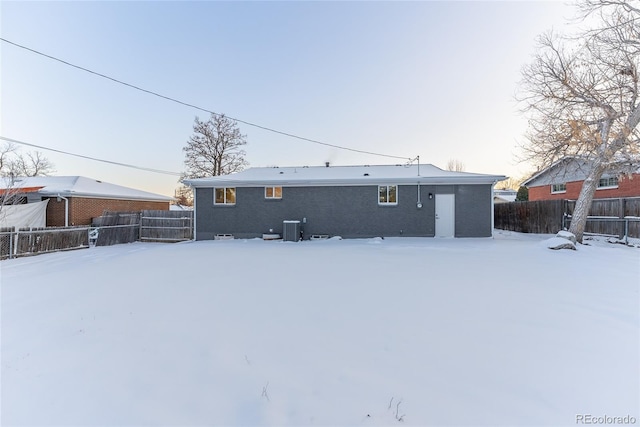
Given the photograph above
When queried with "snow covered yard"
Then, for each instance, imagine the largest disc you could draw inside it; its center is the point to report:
(340, 332)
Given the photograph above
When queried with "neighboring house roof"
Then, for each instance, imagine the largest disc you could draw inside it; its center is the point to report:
(79, 186)
(505, 195)
(568, 169)
(22, 190)
(180, 208)
(344, 175)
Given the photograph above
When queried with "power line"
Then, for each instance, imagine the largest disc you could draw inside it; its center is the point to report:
(15, 141)
(168, 98)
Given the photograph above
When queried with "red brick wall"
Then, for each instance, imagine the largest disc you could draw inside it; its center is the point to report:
(55, 212)
(82, 210)
(627, 187)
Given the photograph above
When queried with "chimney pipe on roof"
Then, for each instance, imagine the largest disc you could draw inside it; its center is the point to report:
(326, 164)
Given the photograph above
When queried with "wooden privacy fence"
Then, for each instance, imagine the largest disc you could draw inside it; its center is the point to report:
(166, 226)
(149, 226)
(33, 241)
(109, 229)
(611, 217)
(544, 216)
(113, 228)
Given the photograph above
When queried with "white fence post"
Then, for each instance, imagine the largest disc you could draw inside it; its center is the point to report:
(15, 242)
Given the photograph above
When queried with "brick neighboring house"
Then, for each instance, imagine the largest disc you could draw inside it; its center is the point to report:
(563, 180)
(75, 200)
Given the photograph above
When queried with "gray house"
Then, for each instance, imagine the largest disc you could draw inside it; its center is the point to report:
(347, 201)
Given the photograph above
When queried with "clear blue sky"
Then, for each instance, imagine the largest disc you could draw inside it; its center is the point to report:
(434, 79)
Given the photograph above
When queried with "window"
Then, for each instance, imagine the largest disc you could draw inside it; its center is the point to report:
(387, 195)
(224, 196)
(558, 188)
(611, 182)
(14, 199)
(273, 192)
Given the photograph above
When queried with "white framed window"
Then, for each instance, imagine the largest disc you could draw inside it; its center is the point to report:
(387, 194)
(224, 196)
(606, 183)
(273, 192)
(558, 188)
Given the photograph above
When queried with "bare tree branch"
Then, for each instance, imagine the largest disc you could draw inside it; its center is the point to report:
(581, 95)
(214, 148)
(27, 164)
(455, 165)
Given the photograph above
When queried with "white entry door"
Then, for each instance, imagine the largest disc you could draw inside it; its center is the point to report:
(445, 215)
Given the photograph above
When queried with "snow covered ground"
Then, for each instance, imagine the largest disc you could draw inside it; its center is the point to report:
(340, 332)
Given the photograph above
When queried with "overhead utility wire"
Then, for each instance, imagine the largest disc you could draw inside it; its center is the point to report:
(15, 141)
(200, 108)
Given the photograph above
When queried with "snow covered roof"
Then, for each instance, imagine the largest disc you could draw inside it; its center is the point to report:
(180, 208)
(505, 191)
(506, 195)
(504, 198)
(344, 175)
(568, 169)
(80, 186)
(563, 170)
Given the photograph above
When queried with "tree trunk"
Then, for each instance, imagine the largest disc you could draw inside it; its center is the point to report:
(583, 204)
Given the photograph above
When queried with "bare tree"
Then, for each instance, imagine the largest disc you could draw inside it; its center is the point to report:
(13, 163)
(8, 192)
(580, 93)
(214, 148)
(455, 165)
(31, 164)
(509, 184)
(184, 196)
(6, 152)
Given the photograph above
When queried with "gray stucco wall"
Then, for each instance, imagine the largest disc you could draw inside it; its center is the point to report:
(349, 211)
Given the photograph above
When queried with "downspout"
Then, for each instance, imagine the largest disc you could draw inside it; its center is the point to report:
(66, 209)
(195, 216)
(419, 201)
